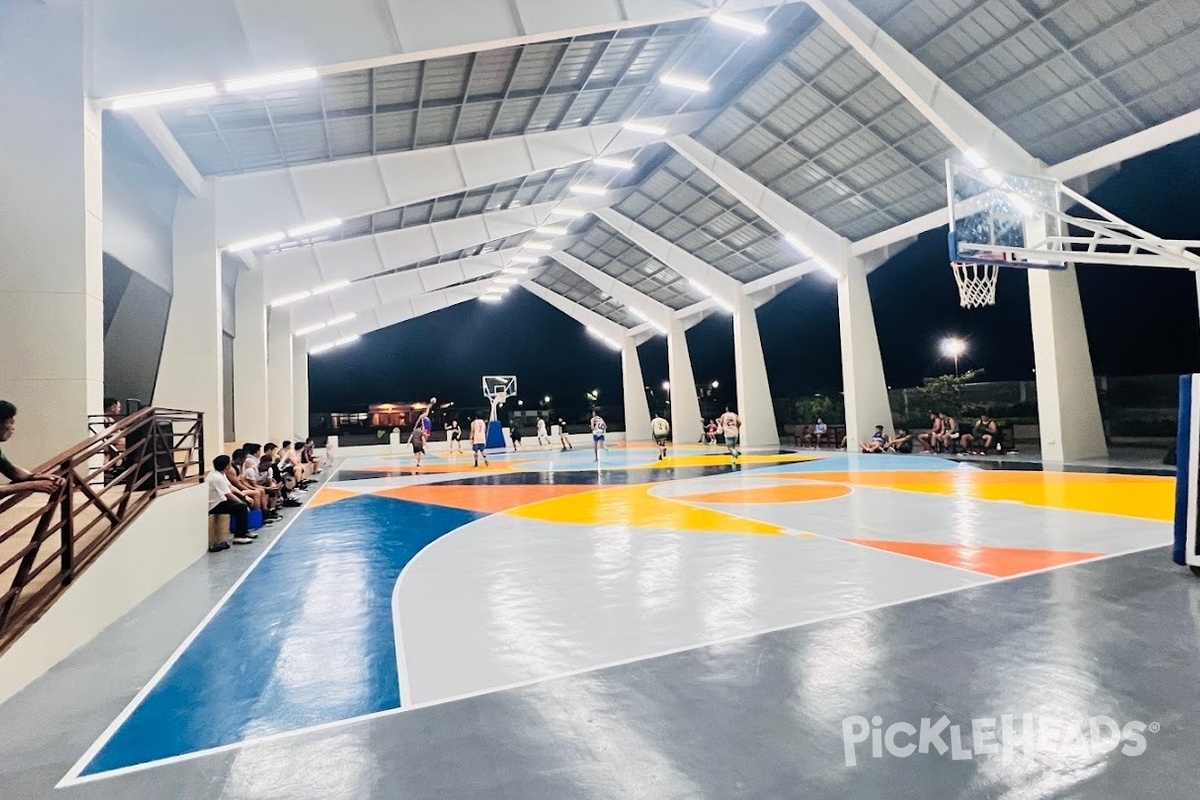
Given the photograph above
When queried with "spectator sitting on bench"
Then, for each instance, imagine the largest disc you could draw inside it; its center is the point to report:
(22, 481)
(902, 441)
(930, 440)
(257, 496)
(984, 436)
(817, 434)
(951, 435)
(224, 499)
(878, 443)
(252, 475)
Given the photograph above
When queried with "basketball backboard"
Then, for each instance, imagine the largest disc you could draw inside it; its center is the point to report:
(495, 384)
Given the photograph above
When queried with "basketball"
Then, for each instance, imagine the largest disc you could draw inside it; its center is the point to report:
(433, 401)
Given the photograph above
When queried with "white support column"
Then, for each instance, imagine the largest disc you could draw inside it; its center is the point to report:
(280, 375)
(863, 382)
(686, 422)
(190, 372)
(633, 388)
(753, 391)
(250, 360)
(51, 292)
(300, 388)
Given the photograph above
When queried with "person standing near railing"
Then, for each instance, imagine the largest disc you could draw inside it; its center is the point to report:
(22, 480)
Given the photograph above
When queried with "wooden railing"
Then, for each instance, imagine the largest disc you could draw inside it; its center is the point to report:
(46, 540)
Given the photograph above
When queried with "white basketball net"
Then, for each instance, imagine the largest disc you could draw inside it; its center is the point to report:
(976, 284)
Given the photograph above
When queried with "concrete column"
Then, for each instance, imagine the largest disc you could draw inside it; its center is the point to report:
(280, 375)
(753, 391)
(51, 279)
(300, 388)
(633, 385)
(1068, 409)
(190, 373)
(686, 423)
(250, 360)
(864, 385)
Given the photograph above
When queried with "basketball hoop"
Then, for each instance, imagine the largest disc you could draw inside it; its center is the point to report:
(976, 283)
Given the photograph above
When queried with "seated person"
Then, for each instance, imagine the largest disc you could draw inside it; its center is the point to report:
(817, 434)
(114, 450)
(902, 441)
(308, 458)
(984, 436)
(878, 443)
(223, 498)
(254, 476)
(256, 497)
(951, 435)
(931, 439)
(710, 432)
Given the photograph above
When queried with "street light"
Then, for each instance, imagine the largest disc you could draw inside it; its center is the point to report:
(546, 400)
(953, 347)
(716, 384)
(666, 386)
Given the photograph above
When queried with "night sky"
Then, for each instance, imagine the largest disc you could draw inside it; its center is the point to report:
(1140, 322)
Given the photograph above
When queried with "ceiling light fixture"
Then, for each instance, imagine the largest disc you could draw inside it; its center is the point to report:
(340, 320)
(322, 348)
(597, 334)
(347, 340)
(258, 241)
(504, 280)
(288, 299)
(515, 271)
(584, 188)
(684, 82)
(316, 227)
(739, 23)
(329, 287)
(163, 98)
(491, 298)
(273, 79)
(700, 287)
(828, 268)
(614, 163)
(538, 245)
(799, 245)
(524, 260)
(574, 213)
(645, 127)
(320, 326)
(552, 230)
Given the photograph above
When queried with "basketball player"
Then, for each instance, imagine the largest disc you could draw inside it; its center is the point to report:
(418, 438)
(542, 437)
(454, 436)
(599, 428)
(479, 439)
(661, 430)
(563, 436)
(731, 426)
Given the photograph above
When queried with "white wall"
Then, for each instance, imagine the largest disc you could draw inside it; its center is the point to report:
(138, 207)
(169, 535)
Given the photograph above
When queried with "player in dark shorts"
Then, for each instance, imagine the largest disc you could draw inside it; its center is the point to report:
(515, 433)
(902, 441)
(454, 434)
(417, 440)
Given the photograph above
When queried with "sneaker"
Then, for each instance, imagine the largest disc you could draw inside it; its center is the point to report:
(252, 535)
(242, 540)
(292, 504)
(218, 547)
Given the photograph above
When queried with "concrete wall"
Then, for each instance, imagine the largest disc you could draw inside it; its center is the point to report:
(169, 536)
(136, 316)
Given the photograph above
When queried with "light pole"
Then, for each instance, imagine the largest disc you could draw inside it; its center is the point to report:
(954, 347)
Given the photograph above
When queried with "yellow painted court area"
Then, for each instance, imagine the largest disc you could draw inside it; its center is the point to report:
(1148, 497)
(635, 507)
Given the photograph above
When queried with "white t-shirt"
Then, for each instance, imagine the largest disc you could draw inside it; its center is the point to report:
(250, 473)
(659, 426)
(729, 423)
(541, 428)
(218, 488)
(478, 432)
(598, 426)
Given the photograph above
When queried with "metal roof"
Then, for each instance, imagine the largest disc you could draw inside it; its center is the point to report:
(608, 251)
(564, 282)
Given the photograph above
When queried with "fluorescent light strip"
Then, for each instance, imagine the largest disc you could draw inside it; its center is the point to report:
(320, 326)
(645, 127)
(574, 213)
(739, 24)
(538, 245)
(524, 260)
(828, 269)
(347, 340)
(644, 318)
(614, 163)
(289, 299)
(321, 348)
(316, 227)
(597, 334)
(329, 287)
(504, 281)
(515, 271)
(684, 82)
(260, 241)
(701, 288)
(491, 298)
(163, 98)
(341, 320)
(273, 79)
(552, 230)
(583, 188)
(799, 245)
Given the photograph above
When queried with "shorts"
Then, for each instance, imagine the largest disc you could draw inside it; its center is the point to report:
(456, 437)
(597, 437)
(418, 448)
(731, 440)
(478, 447)
(661, 440)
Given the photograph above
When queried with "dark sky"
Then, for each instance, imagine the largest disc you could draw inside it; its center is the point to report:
(1140, 321)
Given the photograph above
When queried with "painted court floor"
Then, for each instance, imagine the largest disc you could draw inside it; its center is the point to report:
(630, 625)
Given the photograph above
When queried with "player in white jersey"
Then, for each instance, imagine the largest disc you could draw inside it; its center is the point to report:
(542, 436)
(731, 427)
(662, 431)
(599, 428)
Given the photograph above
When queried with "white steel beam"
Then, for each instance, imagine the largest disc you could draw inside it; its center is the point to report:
(362, 296)
(1167, 133)
(221, 39)
(623, 293)
(261, 203)
(165, 143)
(584, 316)
(814, 236)
(397, 312)
(303, 268)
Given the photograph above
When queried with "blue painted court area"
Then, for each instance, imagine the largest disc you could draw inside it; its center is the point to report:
(306, 639)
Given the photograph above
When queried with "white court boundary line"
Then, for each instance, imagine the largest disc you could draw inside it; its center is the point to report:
(72, 776)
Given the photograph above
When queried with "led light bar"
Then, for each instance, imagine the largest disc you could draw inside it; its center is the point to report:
(598, 335)
(799, 245)
(739, 24)
(684, 82)
(258, 241)
(288, 299)
(347, 340)
(329, 287)
(163, 98)
(552, 230)
(273, 79)
(700, 287)
(316, 227)
(341, 320)
(524, 260)
(613, 162)
(321, 348)
(515, 271)
(645, 127)
(538, 245)
(504, 281)
(583, 188)
(574, 213)
(491, 298)
(320, 326)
